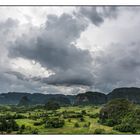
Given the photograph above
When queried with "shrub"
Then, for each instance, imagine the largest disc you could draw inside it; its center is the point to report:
(22, 127)
(20, 131)
(72, 115)
(82, 119)
(99, 131)
(8, 116)
(76, 125)
(54, 123)
(96, 107)
(86, 125)
(35, 131)
(37, 123)
(83, 112)
(69, 120)
(18, 116)
(8, 131)
(28, 128)
(94, 115)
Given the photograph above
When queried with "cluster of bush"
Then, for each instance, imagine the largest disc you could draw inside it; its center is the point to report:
(121, 114)
(54, 123)
(27, 130)
(8, 125)
(4, 108)
(38, 123)
(10, 116)
(96, 115)
(75, 115)
(126, 127)
(86, 125)
(72, 114)
(99, 131)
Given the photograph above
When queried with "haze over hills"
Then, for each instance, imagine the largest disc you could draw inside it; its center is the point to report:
(87, 98)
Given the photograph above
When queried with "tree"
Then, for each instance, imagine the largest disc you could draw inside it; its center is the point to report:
(54, 123)
(114, 111)
(22, 127)
(83, 112)
(8, 125)
(76, 125)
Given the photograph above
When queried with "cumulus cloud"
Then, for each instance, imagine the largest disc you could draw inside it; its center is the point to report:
(48, 58)
(71, 77)
(54, 48)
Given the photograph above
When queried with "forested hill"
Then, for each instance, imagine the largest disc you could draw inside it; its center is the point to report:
(35, 98)
(88, 98)
(132, 94)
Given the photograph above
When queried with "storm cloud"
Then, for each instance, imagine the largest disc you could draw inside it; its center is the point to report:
(55, 49)
(77, 49)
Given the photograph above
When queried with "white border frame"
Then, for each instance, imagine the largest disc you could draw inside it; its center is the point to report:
(69, 2)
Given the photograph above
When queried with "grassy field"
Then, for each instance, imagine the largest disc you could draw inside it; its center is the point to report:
(68, 128)
(88, 124)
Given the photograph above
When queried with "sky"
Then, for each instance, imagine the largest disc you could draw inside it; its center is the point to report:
(69, 50)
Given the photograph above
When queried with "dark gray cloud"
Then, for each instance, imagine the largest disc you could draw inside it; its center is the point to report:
(11, 80)
(54, 48)
(17, 74)
(71, 78)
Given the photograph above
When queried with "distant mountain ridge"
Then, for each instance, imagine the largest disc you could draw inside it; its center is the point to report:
(130, 93)
(87, 98)
(91, 98)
